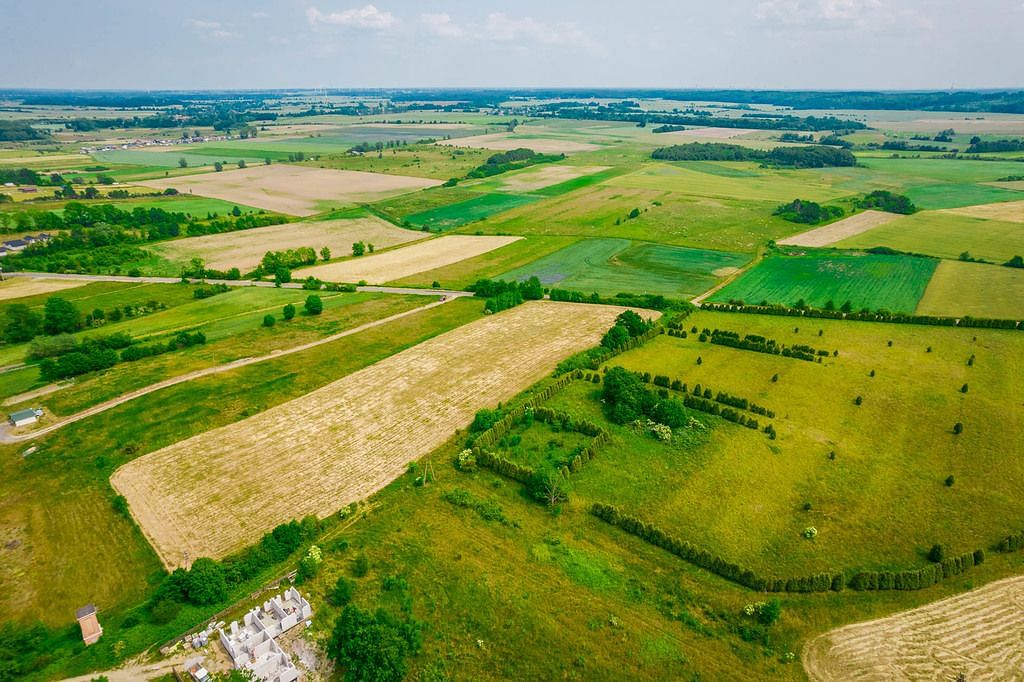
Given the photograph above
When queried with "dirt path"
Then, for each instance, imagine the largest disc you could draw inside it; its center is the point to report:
(977, 634)
(727, 280)
(138, 671)
(7, 437)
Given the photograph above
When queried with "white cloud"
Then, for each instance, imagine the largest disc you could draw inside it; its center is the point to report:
(499, 27)
(205, 25)
(367, 16)
(828, 13)
(442, 25)
(212, 29)
(260, 15)
(221, 33)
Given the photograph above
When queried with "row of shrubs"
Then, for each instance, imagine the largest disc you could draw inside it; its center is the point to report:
(180, 340)
(649, 301)
(593, 358)
(819, 582)
(509, 418)
(760, 344)
(663, 381)
(866, 316)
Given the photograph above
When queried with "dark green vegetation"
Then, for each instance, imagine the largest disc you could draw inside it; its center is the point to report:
(808, 212)
(791, 157)
(883, 200)
(514, 159)
(894, 283)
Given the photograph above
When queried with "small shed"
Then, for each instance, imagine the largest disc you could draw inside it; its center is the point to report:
(90, 624)
(24, 417)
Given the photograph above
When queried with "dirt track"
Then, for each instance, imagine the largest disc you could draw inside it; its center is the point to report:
(978, 633)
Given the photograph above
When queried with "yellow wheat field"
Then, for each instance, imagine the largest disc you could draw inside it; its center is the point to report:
(218, 491)
(1011, 211)
(389, 266)
(978, 634)
(17, 287)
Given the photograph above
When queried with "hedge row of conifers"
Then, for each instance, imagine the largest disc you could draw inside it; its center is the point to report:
(867, 316)
(915, 579)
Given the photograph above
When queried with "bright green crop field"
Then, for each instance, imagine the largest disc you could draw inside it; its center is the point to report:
(610, 266)
(895, 283)
(455, 215)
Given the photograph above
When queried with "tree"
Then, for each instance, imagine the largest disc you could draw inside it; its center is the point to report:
(963, 389)
(325, 254)
(958, 428)
(342, 592)
(236, 212)
(60, 316)
(369, 247)
(268, 320)
(206, 583)
(615, 337)
(937, 553)
(282, 275)
(289, 311)
(770, 612)
(183, 162)
(372, 647)
(218, 166)
(22, 324)
(950, 481)
(314, 306)
(547, 488)
(358, 249)
(241, 163)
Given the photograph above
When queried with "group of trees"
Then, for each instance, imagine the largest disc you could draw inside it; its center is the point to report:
(807, 212)
(627, 399)
(358, 249)
(864, 315)
(513, 159)
(761, 344)
(790, 157)
(979, 146)
(502, 295)
(628, 325)
(373, 646)
(19, 131)
(884, 200)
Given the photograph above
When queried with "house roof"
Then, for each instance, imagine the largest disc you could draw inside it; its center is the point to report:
(22, 414)
(87, 610)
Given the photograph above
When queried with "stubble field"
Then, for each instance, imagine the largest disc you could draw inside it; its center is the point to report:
(839, 230)
(221, 490)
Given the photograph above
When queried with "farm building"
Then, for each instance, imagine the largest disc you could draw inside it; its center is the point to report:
(24, 417)
(90, 624)
(252, 645)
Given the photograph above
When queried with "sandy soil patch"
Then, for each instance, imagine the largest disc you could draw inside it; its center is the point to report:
(547, 175)
(221, 490)
(295, 190)
(17, 287)
(506, 141)
(977, 634)
(841, 229)
(712, 132)
(725, 272)
(1010, 211)
(1013, 184)
(246, 248)
(409, 260)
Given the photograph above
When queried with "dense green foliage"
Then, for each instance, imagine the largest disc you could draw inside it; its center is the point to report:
(511, 160)
(807, 212)
(884, 200)
(791, 157)
(372, 647)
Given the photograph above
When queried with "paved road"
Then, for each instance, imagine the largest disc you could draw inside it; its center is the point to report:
(7, 437)
(232, 283)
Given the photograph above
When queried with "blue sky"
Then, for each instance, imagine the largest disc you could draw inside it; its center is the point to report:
(825, 44)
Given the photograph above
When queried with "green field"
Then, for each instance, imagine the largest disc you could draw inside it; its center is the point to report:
(455, 215)
(894, 283)
(170, 159)
(610, 266)
(975, 289)
(946, 235)
(57, 501)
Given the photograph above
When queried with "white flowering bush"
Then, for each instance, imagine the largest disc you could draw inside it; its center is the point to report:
(659, 431)
(810, 532)
(466, 461)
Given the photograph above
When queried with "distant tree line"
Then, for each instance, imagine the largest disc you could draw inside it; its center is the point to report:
(979, 146)
(20, 131)
(865, 315)
(514, 159)
(790, 157)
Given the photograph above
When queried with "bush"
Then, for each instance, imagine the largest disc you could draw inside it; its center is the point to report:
(341, 594)
(206, 583)
(164, 611)
(360, 565)
(314, 305)
(269, 320)
(373, 647)
(289, 311)
(936, 554)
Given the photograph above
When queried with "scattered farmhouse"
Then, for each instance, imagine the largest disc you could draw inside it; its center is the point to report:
(90, 624)
(24, 417)
(18, 244)
(252, 644)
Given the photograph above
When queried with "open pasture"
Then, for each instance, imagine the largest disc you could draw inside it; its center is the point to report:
(245, 249)
(392, 265)
(881, 502)
(292, 189)
(1010, 211)
(539, 177)
(975, 289)
(895, 283)
(520, 139)
(946, 235)
(709, 132)
(20, 287)
(841, 229)
(609, 266)
(975, 634)
(354, 436)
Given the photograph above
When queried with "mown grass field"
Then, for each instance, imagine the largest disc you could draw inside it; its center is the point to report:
(425, 161)
(57, 501)
(610, 266)
(946, 235)
(975, 289)
(895, 283)
(455, 215)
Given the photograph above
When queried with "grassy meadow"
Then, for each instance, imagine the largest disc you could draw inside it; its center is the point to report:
(975, 289)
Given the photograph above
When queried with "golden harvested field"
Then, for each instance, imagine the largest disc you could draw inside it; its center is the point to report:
(16, 287)
(408, 260)
(506, 141)
(841, 229)
(545, 176)
(977, 633)
(244, 249)
(1011, 211)
(219, 491)
(295, 190)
